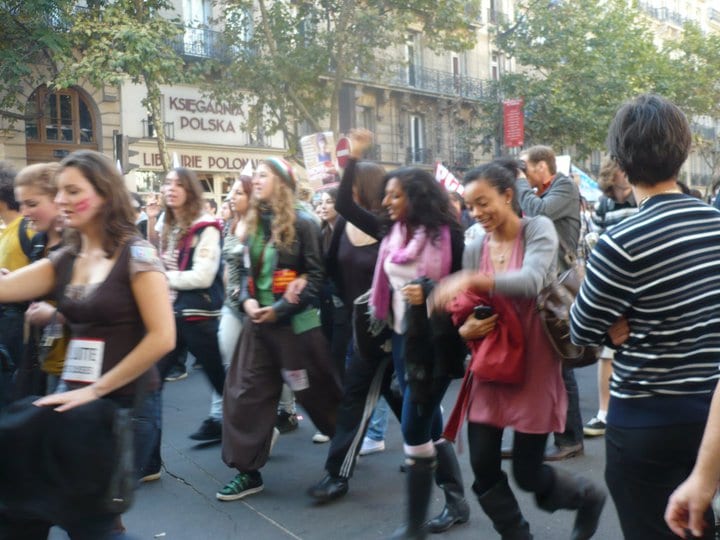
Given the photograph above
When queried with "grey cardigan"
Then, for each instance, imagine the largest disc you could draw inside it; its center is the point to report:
(539, 263)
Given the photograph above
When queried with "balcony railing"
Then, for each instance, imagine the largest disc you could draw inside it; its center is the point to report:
(199, 43)
(428, 80)
(460, 158)
(714, 15)
(149, 130)
(419, 155)
(662, 14)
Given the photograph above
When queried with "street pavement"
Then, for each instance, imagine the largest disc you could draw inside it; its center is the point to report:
(182, 504)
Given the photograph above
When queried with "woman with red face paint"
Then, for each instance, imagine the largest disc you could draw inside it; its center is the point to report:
(190, 248)
(112, 291)
(35, 190)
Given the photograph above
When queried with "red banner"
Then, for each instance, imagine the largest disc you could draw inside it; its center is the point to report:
(513, 123)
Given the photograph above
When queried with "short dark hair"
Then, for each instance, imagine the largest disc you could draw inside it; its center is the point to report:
(650, 139)
(7, 185)
(536, 154)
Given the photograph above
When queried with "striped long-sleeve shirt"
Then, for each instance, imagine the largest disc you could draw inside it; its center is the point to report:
(660, 269)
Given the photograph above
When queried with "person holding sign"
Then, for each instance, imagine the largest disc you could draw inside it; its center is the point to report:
(111, 289)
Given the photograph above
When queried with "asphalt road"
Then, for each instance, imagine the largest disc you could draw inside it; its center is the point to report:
(182, 504)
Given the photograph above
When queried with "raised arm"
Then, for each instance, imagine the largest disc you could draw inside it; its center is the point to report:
(344, 204)
(562, 200)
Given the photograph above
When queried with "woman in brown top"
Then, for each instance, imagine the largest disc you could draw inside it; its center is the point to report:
(111, 290)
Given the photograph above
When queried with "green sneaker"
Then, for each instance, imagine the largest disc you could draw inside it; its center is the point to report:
(243, 484)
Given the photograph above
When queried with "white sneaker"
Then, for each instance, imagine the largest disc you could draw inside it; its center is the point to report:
(320, 438)
(370, 446)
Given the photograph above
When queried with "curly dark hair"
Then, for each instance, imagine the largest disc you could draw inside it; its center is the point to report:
(428, 202)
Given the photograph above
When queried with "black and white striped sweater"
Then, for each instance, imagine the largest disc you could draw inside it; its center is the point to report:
(660, 269)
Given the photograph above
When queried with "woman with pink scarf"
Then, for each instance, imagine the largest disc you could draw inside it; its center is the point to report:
(421, 245)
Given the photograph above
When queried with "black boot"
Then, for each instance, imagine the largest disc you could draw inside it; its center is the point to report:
(575, 493)
(501, 506)
(449, 479)
(420, 473)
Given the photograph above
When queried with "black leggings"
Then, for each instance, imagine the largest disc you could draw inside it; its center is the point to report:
(528, 451)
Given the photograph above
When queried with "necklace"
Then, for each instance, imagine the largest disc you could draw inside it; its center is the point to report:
(500, 257)
(648, 197)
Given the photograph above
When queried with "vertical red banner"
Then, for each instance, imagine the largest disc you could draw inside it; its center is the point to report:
(513, 123)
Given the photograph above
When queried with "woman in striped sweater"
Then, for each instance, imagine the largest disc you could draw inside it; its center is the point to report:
(653, 290)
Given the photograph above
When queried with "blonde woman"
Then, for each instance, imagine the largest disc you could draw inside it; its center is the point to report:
(280, 341)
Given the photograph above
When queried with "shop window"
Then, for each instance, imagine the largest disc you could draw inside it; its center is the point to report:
(59, 117)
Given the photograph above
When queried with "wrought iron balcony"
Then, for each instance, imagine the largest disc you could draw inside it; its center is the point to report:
(427, 80)
(200, 43)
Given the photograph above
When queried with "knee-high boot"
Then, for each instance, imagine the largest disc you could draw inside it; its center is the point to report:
(501, 506)
(575, 493)
(420, 473)
(449, 478)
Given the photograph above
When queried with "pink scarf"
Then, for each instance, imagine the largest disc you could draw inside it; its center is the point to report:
(434, 260)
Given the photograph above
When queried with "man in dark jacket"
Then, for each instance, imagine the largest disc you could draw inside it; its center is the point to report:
(549, 193)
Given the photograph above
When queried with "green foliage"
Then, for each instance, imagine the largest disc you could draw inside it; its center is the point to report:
(33, 38)
(288, 60)
(581, 60)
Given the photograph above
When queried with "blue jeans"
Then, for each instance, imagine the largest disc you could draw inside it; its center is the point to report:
(379, 421)
(420, 423)
(101, 527)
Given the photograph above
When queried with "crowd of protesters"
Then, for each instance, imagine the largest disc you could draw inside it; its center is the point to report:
(379, 290)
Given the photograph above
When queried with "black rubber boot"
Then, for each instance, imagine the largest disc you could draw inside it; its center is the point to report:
(575, 493)
(501, 506)
(420, 472)
(449, 479)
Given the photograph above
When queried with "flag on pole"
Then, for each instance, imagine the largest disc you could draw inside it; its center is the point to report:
(447, 179)
(247, 169)
(119, 166)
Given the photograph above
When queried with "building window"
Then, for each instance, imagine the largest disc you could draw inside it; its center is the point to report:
(417, 152)
(411, 61)
(495, 66)
(62, 117)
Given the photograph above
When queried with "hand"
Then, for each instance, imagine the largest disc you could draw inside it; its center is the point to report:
(360, 140)
(687, 505)
(265, 315)
(414, 294)
(296, 286)
(250, 306)
(40, 313)
(619, 332)
(449, 288)
(69, 400)
(152, 207)
(477, 328)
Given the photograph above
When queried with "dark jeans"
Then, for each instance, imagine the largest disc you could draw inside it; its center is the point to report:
(201, 339)
(529, 471)
(95, 528)
(573, 433)
(420, 423)
(643, 467)
(365, 380)
(146, 423)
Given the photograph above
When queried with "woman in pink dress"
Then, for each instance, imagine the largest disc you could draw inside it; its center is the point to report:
(508, 262)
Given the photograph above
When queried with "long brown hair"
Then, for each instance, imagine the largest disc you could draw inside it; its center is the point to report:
(116, 216)
(192, 209)
(282, 206)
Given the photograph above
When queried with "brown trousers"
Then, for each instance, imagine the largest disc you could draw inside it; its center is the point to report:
(268, 355)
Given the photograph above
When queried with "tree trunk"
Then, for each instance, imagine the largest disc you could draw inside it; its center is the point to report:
(153, 102)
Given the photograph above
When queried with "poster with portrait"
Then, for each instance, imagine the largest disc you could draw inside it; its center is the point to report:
(320, 161)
